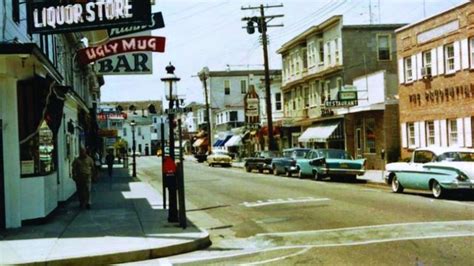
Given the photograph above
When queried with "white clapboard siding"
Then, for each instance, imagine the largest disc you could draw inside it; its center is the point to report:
(414, 67)
(417, 134)
(468, 132)
(460, 124)
(419, 65)
(464, 53)
(457, 56)
(434, 63)
(401, 71)
(444, 133)
(440, 60)
(422, 134)
(437, 132)
(403, 132)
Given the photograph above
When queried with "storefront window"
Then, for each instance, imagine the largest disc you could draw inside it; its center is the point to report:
(37, 154)
(370, 135)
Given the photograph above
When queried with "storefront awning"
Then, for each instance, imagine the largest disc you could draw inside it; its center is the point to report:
(234, 141)
(222, 142)
(318, 133)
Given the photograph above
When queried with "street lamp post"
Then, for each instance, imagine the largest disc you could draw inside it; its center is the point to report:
(170, 80)
(203, 75)
(134, 146)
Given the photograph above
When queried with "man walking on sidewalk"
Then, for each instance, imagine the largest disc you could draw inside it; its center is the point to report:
(109, 159)
(82, 170)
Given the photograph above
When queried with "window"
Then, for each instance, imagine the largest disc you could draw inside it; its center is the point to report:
(233, 116)
(328, 91)
(411, 134)
(370, 135)
(16, 11)
(328, 45)
(339, 84)
(243, 86)
(358, 139)
(430, 133)
(408, 70)
(453, 132)
(321, 53)
(139, 131)
(305, 59)
(311, 54)
(449, 57)
(383, 47)
(278, 101)
(226, 87)
(336, 52)
(321, 93)
(427, 63)
(124, 131)
(471, 47)
(306, 97)
(423, 157)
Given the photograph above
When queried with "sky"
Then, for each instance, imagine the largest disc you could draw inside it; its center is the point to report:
(209, 33)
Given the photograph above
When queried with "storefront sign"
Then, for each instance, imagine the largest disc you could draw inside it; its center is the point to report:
(252, 107)
(156, 23)
(337, 104)
(111, 116)
(347, 95)
(109, 133)
(126, 64)
(326, 112)
(442, 95)
(120, 46)
(52, 17)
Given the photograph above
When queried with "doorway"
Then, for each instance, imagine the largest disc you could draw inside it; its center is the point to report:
(2, 181)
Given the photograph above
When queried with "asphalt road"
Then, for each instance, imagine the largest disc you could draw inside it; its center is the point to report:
(264, 219)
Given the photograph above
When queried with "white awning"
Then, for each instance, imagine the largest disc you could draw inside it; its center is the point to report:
(236, 140)
(318, 133)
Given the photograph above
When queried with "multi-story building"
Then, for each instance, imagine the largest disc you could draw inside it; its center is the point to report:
(227, 90)
(436, 60)
(46, 102)
(319, 65)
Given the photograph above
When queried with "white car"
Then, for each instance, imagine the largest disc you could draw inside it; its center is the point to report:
(437, 169)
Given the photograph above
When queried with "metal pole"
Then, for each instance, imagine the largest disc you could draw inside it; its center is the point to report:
(268, 100)
(171, 182)
(208, 113)
(181, 199)
(134, 169)
(162, 129)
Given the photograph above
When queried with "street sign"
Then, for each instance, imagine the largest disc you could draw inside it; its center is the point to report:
(169, 166)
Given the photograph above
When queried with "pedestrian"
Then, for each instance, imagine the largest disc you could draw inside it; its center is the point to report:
(109, 159)
(82, 171)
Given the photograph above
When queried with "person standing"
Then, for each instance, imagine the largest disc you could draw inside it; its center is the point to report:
(110, 162)
(82, 171)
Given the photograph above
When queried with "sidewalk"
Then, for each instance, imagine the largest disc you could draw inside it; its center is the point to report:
(371, 176)
(126, 223)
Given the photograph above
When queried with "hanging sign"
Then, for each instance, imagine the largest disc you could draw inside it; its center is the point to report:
(155, 23)
(252, 107)
(125, 64)
(120, 46)
(52, 17)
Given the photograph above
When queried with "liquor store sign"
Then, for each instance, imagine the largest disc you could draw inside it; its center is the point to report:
(50, 17)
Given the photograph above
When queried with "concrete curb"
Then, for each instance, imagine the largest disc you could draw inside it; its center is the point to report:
(131, 256)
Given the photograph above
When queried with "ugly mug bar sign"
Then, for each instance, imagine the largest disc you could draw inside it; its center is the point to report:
(126, 45)
(50, 17)
(125, 64)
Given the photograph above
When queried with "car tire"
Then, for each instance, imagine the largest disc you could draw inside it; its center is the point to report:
(300, 174)
(275, 171)
(211, 165)
(437, 190)
(247, 169)
(317, 176)
(288, 173)
(260, 170)
(396, 186)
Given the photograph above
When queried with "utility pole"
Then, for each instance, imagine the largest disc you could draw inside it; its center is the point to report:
(262, 28)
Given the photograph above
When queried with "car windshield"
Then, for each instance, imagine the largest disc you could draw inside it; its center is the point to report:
(335, 154)
(299, 154)
(456, 157)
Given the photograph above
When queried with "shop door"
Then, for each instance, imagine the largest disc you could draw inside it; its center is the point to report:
(2, 181)
(358, 143)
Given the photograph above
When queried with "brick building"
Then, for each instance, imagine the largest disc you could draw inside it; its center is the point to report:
(436, 92)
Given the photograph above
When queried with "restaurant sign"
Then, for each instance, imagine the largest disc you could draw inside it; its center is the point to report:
(121, 46)
(52, 17)
(337, 104)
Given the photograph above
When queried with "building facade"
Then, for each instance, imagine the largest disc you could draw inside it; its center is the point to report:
(435, 61)
(46, 102)
(320, 65)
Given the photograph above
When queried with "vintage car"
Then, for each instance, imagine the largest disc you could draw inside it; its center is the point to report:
(261, 161)
(437, 169)
(218, 157)
(287, 163)
(334, 163)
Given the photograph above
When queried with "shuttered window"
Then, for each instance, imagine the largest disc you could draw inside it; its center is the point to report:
(453, 132)
(411, 134)
(430, 133)
(449, 58)
(408, 69)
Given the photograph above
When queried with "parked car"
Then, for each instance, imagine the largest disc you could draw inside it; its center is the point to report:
(200, 157)
(261, 161)
(440, 170)
(219, 157)
(334, 163)
(287, 163)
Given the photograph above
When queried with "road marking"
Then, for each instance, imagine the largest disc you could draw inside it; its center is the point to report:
(370, 234)
(260, 203)
(280, 258)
